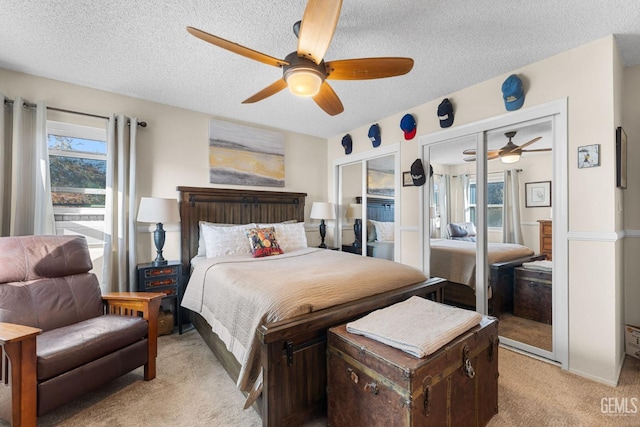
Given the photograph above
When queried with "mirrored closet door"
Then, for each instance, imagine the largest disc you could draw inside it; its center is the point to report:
(490, 230)
(367, 194)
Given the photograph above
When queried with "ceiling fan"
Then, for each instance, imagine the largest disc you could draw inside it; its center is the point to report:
(304, 71)
(510, 153)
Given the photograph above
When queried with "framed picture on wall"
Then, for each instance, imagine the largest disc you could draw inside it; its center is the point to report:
(621, 158)
(407, 181)
(589, 156)
(537, 194)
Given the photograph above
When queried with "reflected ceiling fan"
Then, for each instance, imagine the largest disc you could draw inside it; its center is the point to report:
(304, 71)
(510, 153)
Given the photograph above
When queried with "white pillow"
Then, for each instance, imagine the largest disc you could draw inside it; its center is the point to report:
(384, 231)
(291, 236)
(201, 247)
(226, 240)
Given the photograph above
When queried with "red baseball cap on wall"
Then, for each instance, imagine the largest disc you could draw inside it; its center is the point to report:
(408, 126)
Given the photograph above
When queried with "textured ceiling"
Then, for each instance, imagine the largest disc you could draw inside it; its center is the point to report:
(141, 49)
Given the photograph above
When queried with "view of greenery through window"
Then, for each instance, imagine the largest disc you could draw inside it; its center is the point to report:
(495, 198)
(78, 171)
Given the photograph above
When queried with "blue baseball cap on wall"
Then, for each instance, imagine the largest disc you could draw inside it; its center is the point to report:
(347, 143)
(512, 93)
(374, 135)
(408, 126)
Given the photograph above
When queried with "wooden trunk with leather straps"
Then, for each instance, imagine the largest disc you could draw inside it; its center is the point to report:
(372, 384)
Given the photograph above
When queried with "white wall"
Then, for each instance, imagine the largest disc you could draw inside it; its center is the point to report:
(173, 148)
(585, 75)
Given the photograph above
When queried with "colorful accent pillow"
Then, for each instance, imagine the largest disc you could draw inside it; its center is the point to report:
(291, 236)
(263, 242)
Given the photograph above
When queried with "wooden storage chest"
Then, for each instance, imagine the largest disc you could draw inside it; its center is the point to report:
(532, 295)
(372, 384)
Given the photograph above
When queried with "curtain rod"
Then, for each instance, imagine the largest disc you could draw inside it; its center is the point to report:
(62, 110)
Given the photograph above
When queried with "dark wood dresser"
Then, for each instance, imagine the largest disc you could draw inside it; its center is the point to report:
(546, 237)
(532, 296)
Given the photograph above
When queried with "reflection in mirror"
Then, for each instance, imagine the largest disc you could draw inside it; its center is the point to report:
(351, 186)
(379, 230)
(517, 155)
(452, 215)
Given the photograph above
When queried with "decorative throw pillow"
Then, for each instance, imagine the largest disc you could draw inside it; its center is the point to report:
(456, 231)
(263, 242)
(384, 231)
(371, 232)
(222, 241)
(202, 251)
(291, 236)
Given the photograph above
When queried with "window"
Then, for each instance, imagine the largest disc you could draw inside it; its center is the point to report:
(495, 198)
(78, 165)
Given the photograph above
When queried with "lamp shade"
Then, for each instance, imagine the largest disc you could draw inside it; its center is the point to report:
(354, 211)
(156, 210)
(322, 210)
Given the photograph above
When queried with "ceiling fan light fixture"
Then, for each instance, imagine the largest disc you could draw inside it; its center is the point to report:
(303, 81)
(510, 158)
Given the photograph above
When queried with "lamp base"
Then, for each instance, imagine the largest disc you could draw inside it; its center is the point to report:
(156, 262)
(158, 239)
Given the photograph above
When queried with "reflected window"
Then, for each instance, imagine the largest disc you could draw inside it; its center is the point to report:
(495, 201)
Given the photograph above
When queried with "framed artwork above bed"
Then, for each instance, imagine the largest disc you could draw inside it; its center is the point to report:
(245, 155)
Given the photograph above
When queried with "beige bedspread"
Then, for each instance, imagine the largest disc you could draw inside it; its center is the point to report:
(237, 294)
(455, 260)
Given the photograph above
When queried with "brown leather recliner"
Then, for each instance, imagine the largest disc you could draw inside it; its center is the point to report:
(60, 337)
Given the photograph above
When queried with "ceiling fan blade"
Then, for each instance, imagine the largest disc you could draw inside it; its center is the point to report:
(328, 100)
(536, 150)
(493, 154)
(368, 68)
(316, 30)
(470, 151)
(526, 144)
(236, 48)
(272, 89)
(470, 159)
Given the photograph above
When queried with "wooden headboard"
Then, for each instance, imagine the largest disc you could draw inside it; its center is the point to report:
(231, 206)
(379, 209)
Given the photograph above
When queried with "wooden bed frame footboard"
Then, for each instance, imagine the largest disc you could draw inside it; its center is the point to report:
(293, 351)
(294, 354)
(501, 280)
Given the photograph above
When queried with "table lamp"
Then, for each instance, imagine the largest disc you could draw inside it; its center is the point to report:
(322, 211)
(355, 211)
(158, 211)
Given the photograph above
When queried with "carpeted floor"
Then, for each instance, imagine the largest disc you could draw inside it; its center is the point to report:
(192, 389)
(526, 331)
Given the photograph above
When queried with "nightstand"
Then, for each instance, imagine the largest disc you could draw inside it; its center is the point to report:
(163, 278)
(352, 249)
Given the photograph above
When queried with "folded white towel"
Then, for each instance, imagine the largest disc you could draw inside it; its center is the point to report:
(417, 326)
(544, 265)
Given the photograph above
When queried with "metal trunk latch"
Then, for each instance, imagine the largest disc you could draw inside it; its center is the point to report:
(289, 348)
(467, 369)
(371, 388)
(426, 391)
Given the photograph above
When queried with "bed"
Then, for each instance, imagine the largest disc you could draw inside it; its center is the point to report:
(455, 260)
(291, 352)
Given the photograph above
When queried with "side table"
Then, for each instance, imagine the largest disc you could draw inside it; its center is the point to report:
(163, 278)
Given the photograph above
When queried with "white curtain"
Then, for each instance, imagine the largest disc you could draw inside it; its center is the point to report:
(511, 228)
(444, 204)
(119, 267)
(25, 184)
(466, 197)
